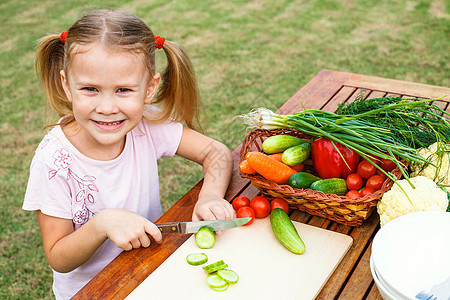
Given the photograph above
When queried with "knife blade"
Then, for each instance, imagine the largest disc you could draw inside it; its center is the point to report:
(193, 227)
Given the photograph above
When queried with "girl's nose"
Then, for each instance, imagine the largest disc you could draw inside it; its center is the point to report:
(107, 105)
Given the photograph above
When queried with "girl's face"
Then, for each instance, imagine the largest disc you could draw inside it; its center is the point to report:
(108, 91)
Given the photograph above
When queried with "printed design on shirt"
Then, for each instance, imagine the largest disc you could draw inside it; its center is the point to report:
(44, 143)
(80, 211)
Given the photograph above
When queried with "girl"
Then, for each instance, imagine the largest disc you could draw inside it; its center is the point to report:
(94, 180)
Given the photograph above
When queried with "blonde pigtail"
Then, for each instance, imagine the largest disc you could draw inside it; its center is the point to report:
(49, 62)
(179, 92)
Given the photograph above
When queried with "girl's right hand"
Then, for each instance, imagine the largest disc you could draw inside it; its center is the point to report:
(126, 229)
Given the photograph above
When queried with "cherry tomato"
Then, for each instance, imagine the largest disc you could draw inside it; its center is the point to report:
(261, 206)
(353, 194)
(384, 176)
(239, 202)
(354, 182)
(375, 182)
(366, 169)
(373, 158)
(366, 191)
(387, 165)
(279, 203)
(244, 212)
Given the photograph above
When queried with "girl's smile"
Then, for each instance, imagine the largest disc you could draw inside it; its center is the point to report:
(108, 90)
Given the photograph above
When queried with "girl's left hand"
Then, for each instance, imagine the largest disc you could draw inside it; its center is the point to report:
(213, 208)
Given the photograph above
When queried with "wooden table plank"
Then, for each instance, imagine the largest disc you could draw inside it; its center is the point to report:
(360, 236)
(398, 87)
(359, 282)
(352, 278)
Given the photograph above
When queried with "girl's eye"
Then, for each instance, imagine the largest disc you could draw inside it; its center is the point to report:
(90, 89)
(123, 90)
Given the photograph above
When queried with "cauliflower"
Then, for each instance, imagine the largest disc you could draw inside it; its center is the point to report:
(426, 197)
(440, 158)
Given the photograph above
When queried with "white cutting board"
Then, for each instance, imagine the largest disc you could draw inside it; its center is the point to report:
(266, 269)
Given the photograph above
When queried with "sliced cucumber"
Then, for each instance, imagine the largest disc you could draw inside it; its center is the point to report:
(196, 259)
(214, 267)
(205, 238)
(224, 288)
(215, 281)
(228, 275)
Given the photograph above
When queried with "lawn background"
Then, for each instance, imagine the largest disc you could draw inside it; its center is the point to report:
(246, 54)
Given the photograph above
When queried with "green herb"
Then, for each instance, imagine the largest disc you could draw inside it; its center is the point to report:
(413, 122)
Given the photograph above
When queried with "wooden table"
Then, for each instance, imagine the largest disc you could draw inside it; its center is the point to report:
(352, 278)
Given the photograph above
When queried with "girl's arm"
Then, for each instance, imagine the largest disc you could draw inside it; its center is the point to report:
(217, 168)
(67, 249)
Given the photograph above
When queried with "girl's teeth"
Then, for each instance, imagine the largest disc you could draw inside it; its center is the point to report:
(109, 123)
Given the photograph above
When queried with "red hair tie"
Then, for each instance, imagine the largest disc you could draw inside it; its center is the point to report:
(63, 36)
(159, 42)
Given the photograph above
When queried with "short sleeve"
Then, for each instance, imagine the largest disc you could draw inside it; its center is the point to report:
(165, 136)
(48, 191)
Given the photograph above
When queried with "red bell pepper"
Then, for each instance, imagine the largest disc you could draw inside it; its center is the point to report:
(327, 161)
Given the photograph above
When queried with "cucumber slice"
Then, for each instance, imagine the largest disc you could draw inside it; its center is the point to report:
(196, 259)
(211, 268)
(228, 275)
(224, 288)
(215, 281)
(205, 238)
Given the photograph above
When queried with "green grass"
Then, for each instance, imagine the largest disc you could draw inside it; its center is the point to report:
(246, 53)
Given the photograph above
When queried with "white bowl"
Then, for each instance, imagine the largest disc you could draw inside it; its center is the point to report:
(411, 253)
(384, 292)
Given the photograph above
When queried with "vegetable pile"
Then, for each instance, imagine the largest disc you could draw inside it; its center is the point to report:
(390, 128)
(340, 170)
(355, 149)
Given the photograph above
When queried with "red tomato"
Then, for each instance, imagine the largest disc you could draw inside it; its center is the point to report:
(239, 202)
(354, 182)
(353, 194)
(373, 158)
(387, 165)
(367, 191)
(279, 203)
(244, 212)
(261, 206)
(384, 176)
(366, 169)
(375, 182)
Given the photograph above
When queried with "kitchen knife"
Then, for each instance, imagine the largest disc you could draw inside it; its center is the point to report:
(193, 227)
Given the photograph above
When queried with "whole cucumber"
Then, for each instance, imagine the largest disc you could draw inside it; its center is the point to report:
(336, 186)
(286, 232)
(279, 143)
(302, 180)
(297, 154)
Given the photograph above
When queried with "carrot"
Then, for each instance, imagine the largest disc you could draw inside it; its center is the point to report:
(269, 168)
(245, 167)
(277, 157)
(298, 167)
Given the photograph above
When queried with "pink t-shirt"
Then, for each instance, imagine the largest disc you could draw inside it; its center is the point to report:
(65, 183)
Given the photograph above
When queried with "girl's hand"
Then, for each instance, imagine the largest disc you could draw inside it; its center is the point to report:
(212, 208)
(126, 229)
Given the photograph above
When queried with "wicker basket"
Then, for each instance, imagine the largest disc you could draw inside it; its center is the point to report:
(344, 210)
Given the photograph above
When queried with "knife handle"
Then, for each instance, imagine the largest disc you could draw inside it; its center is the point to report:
(172, 227)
